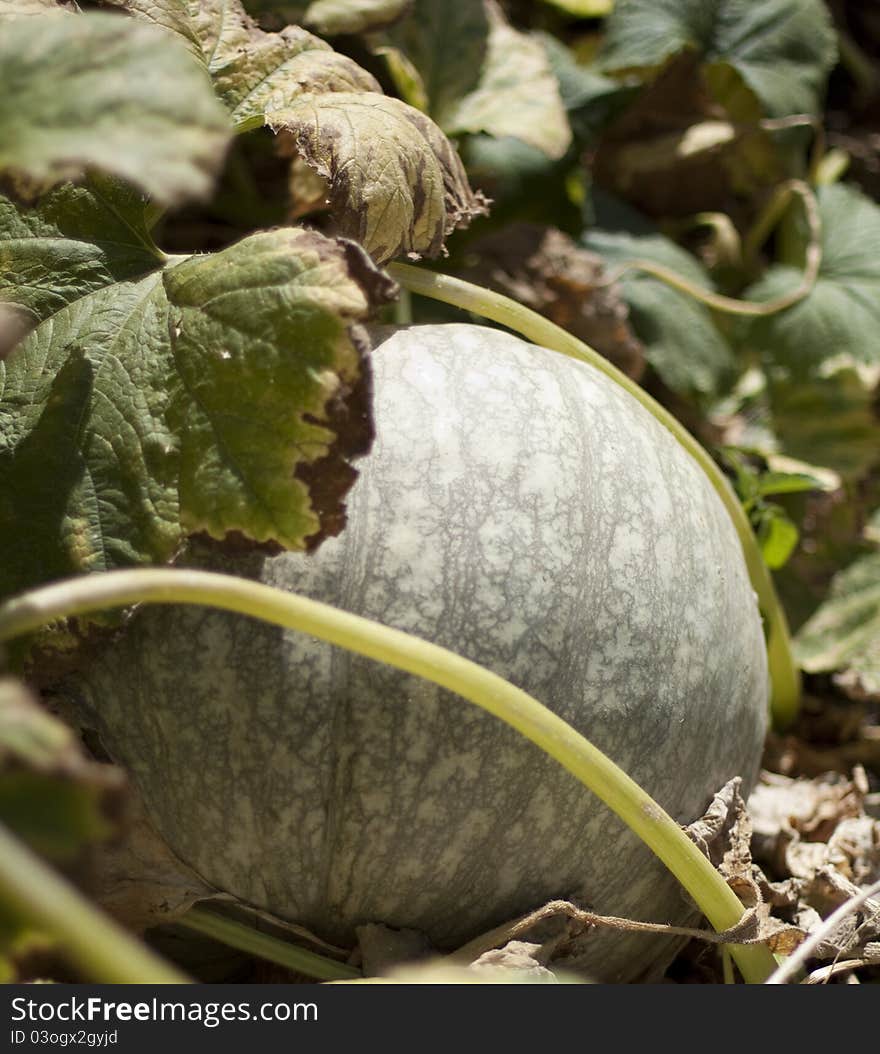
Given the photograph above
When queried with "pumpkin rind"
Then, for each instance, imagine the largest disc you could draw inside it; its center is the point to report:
(522, 510)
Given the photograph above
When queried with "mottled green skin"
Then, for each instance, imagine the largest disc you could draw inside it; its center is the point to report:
(521, 509)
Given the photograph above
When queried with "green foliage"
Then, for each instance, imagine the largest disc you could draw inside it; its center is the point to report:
(781, 50)
(777, 533)
(51, 794)
(186, 400)
(472, 72)
(395, 182)
(844, 634)
(681, 339)
(841, 317)
(61, 116)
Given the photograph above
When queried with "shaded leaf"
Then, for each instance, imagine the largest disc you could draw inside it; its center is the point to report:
(676, 149)
(521, 182)
(396, 183)
(841, 316)
(97, 92)
(79, 239)
(844, 634)
(590, 98)
(829, 417)
(782, 49)
(51, 794)
(681, 340)
(478, 74)
(223, 394)
(446, 47)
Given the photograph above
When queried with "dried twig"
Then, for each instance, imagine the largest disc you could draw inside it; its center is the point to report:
(795, 962)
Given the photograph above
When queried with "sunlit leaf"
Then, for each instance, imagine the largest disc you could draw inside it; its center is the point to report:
(782, 49)
(478, 74)
(396, 184)
(199, 397)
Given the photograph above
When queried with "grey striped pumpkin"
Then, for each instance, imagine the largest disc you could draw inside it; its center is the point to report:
(523, 511)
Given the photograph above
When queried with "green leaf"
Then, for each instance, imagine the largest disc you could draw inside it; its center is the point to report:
(478, 74)
(396, 184)
(80, 239)
(446, 46)
(778, 536)
(98, 92)
(221, 394)
(828, 418)
(840, 318)
(51, 794)
(788, 483)
(782, 49)
(681, 340)
(844, 634)
(590, 99)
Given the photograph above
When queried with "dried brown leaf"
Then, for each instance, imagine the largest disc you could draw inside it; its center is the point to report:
(544, 269)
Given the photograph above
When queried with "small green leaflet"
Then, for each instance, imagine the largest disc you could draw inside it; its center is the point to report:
(844, 634)
(681, 340)
(781, 49)
(777, 534)
(97, 92)
(195, 398)
(840, 319)
(472, 72)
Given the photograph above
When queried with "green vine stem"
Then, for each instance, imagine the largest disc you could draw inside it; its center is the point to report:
(246, 939)
(115, 589)
(747, 308)
(87, 938)
(784, 672)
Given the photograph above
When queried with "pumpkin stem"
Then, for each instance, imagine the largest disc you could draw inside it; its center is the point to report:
(115, 589)
(784, 671)
(245, 938)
